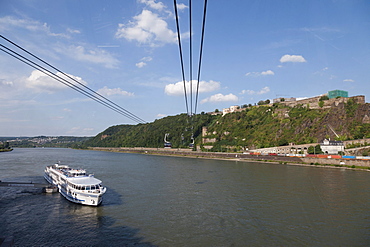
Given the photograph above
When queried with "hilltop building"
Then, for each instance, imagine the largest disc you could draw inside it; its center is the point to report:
(278, 100)
(337, 93)
(231, 109)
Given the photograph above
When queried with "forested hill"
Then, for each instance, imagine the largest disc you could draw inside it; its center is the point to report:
(252, 127)
(152, 134)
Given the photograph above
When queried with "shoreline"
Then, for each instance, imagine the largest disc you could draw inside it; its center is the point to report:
(280, 160)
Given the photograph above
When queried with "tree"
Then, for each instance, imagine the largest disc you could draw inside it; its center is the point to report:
(314, 149)
(283, 142)
(321, 104)
(324, 97)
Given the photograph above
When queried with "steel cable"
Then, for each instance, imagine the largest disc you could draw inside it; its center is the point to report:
(102, 100)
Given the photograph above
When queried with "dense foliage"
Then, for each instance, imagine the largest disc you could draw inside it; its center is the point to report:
(251, 127)
(178, 127)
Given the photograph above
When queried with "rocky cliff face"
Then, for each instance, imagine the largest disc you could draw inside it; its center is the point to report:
(279, 125)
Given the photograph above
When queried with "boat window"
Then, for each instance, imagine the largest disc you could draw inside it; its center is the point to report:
(92, 187)
(88, 187)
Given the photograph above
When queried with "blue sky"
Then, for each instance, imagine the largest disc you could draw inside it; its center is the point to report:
(128, 52)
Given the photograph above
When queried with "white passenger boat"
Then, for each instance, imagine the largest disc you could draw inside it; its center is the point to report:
(75, 184)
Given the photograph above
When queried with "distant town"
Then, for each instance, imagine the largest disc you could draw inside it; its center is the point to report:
(41, 141)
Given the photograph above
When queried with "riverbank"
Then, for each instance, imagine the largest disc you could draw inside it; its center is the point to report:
(301, 161)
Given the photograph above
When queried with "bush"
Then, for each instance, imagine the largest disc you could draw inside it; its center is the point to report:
(324, 97)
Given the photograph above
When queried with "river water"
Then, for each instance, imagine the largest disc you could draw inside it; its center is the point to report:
(173, 201)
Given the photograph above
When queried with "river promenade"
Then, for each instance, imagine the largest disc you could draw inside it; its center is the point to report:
(289, 160)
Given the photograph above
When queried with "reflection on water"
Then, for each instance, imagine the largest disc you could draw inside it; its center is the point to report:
(171, 201)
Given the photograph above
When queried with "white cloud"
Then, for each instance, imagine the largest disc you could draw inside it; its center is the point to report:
(161, 115)
(267, 72)
(44, 83)
(178, 88)
(292, 59)
(263, 73)
(147, 28)
(181, 6)
(6, 83)
(140, 64)
(105, 91)
(251, 92)
(10, 22)
(97, 56)
(153, 4)
(321, 72)
(143, 60)
(349, 80)
(220, 98)
(147, 59)
(70, 30)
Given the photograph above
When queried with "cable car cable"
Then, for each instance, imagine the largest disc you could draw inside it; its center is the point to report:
(128, 113)
(181, 57)
(200, 54)
(58, 78)
(65, 82)
(190, 61)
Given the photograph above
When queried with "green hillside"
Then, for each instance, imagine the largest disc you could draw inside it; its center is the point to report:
(152, 134)
(252, 127)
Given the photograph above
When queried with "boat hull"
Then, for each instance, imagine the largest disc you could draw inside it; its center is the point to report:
(90, 200)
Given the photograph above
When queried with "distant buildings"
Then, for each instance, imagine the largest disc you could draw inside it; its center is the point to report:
(324, 101)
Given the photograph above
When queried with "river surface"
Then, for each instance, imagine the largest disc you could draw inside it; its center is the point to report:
(173, 201)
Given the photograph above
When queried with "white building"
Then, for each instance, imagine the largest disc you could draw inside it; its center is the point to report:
(332, 147)
(232, 108)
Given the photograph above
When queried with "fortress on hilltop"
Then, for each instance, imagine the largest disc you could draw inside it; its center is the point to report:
(324, 101)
